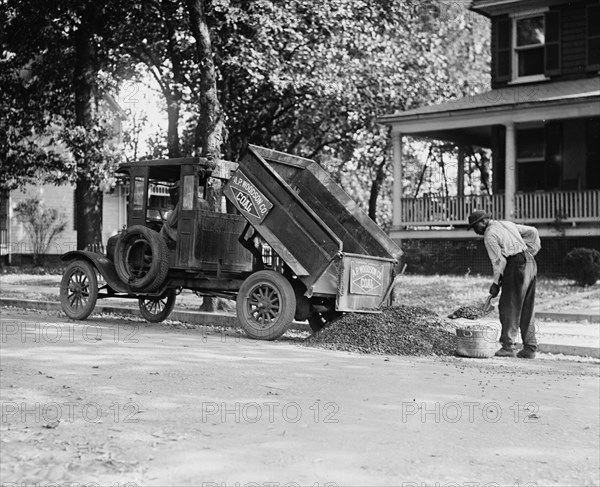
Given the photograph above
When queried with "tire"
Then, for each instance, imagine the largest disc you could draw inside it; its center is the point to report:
(110, 247)
(79, 290)
(317, 321)
(156, 310)
(141, 258)
(265, 305)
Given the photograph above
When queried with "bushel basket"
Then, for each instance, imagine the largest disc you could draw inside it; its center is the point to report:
(481, 342)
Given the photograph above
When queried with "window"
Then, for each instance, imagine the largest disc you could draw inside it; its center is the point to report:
(539, 157)
(529, 46)
(138, 193)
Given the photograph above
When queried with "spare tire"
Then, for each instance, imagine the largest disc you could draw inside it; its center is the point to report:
(110, 247)
(141, 258)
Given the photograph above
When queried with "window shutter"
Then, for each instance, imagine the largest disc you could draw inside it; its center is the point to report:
(503, 49)
(593, 38)
(552, 50)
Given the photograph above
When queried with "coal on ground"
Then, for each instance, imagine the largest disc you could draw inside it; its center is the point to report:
(397, 330)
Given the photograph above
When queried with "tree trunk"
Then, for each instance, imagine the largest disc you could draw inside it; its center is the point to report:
(210, 123)
(173, 126)
(88, 197)
(174, 95)
(209, 132)
(375, 189)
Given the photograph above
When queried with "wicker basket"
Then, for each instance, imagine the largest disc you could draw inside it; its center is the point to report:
(477, 342)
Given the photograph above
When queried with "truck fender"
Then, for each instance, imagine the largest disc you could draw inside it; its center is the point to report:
(103, 265)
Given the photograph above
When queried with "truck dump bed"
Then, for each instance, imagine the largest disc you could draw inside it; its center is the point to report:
(358, 233)
(315, 227)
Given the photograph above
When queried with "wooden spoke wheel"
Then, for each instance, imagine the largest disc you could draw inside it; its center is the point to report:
(156, 310)
(79, 290)
(266, 304)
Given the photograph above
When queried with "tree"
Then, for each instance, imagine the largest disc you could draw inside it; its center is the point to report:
(60, 101)
(42, 225)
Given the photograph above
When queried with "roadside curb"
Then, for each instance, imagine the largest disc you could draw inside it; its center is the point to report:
(229, 320)
(556, 316)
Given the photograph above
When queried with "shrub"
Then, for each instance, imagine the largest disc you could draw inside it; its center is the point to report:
(42, 225)
(583, 265)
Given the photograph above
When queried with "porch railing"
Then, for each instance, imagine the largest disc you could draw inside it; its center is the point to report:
(571, 206)
(451, 210)
(3, 241)
(575, 206)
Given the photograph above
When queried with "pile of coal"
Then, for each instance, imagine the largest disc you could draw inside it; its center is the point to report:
(469, 312)
(398, 330)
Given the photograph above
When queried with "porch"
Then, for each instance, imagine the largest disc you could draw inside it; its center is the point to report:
(545, 160)
(567, 207)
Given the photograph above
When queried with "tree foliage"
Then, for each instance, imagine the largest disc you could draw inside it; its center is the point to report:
(305, 77)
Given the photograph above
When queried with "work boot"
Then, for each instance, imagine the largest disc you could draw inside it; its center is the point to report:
(526, 353)
(506, 352)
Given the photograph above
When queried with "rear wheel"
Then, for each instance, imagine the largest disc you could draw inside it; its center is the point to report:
(141, 258)
(266, 304)
(79, 290)
(156, 310)
(317, 321)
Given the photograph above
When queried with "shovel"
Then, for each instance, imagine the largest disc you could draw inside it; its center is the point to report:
(487, 306)
(472, 312)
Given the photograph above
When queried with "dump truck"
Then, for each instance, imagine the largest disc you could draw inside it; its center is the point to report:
(286, 243)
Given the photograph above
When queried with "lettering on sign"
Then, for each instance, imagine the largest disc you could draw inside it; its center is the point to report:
(366, 277)
(247, 198)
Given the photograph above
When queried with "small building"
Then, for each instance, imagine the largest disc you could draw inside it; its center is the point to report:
(541, 122)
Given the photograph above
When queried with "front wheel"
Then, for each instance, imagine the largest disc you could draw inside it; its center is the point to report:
(156, 310)
(79, 290)
(265, 305)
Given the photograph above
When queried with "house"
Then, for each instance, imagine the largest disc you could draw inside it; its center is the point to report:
(15, 245)
(541, 121)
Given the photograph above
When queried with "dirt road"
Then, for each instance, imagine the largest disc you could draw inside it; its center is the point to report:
(115, 402)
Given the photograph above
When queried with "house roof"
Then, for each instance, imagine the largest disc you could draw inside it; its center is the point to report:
(510, 97)
(491, 8)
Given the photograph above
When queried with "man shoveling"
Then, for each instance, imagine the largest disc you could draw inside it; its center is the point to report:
(511, 249)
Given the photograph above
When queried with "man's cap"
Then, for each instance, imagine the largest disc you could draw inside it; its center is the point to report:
(476, 217)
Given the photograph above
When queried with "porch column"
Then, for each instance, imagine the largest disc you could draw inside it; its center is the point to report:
(510, 169)
(398, 175)
(460, 172)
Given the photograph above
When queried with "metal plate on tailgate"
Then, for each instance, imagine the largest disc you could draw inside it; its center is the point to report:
(366, 277)
(363, 282)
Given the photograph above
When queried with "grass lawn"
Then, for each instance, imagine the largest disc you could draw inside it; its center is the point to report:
(444, 294)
